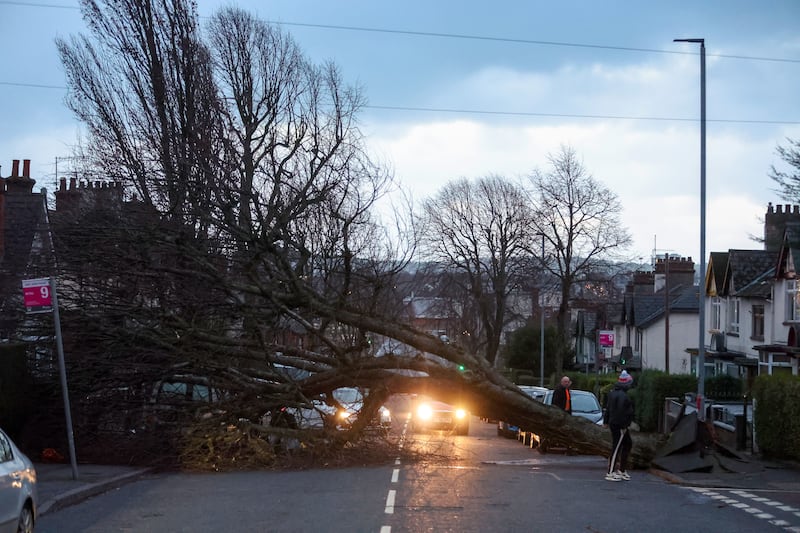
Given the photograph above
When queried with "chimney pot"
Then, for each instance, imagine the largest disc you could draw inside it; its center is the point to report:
(15, 168)
(26, 168)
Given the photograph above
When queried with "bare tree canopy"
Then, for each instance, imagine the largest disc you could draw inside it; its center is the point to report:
(788, 180)
(481, 230)
(580, 221)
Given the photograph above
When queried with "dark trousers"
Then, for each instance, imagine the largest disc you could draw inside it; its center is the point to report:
(621, 445)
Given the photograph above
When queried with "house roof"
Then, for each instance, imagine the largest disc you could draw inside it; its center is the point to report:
(649, 308)
(744, 268)
(760, 287)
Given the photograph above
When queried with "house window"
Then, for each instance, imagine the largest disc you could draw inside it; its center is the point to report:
(716, 314)
(733, 315)
(757, 331)
(792, 303)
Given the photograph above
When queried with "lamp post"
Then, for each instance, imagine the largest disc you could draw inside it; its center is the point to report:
(541, 326)
(701, 351)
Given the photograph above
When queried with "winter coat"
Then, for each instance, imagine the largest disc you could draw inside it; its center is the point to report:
(619, 407)
(560, 398)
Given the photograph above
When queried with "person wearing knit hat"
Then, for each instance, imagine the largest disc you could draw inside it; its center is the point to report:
(618, 416)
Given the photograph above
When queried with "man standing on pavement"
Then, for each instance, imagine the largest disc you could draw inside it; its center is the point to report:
(618, 416)
(561, 395)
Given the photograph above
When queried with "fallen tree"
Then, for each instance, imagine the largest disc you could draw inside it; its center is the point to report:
(243, 236)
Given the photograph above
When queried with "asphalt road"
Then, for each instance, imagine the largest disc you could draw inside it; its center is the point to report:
(479, 482)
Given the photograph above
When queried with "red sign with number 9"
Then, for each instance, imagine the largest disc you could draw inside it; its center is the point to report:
(36, 293)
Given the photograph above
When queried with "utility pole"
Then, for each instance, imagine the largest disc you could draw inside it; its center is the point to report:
(701, 349)
(666, 312)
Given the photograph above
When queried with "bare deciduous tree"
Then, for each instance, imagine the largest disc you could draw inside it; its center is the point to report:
(481, 230)
(580, 221)
(788, 180)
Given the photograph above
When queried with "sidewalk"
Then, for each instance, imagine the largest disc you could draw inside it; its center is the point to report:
(57, 488)
(750, 473)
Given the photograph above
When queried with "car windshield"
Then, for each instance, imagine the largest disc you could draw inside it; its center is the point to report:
(584, 403)
(347, 395)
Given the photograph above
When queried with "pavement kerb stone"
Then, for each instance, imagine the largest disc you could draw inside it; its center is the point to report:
(83, 492)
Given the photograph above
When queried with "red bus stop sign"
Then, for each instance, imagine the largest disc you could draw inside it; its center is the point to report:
(36, 295)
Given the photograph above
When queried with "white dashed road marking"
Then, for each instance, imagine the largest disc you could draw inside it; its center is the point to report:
(744, 501)
(390, 498)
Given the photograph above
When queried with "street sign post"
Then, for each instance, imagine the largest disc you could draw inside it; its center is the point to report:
(39, 296)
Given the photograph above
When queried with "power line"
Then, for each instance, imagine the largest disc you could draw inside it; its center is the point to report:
(480, 38)
(34, 85)
(507, 113)
(525, 41)
(469, 37)
(572, 115)
(33, 4)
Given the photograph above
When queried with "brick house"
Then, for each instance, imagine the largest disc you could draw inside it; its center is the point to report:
(25, 245)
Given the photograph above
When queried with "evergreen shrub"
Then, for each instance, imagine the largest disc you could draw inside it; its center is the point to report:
(777, 416)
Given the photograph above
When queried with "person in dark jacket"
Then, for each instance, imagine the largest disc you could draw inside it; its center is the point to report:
(561, 395)
(618, 416)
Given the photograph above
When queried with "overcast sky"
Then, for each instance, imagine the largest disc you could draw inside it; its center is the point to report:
(466, 89)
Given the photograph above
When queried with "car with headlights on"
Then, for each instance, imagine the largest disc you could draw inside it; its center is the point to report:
(18, 495)
(431, 415)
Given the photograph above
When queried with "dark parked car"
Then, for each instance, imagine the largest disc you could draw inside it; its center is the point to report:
(504, 429)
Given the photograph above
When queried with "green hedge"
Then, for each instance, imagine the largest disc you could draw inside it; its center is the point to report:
(599, 384)
(724, 388)
(777, 415)
(652, 388)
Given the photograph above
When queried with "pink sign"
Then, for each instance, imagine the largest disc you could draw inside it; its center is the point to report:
(36, 294)
(606, 338)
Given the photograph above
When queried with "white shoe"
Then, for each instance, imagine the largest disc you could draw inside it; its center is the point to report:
(613, 476)
(623, 475)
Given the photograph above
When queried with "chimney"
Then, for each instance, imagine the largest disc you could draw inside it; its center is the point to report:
(775, 222)
(679, 269)
(16, 184)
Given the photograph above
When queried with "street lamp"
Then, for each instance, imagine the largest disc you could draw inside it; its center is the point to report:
(701, 350)
(541, 324)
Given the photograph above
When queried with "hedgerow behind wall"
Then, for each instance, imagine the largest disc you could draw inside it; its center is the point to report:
(777, 416)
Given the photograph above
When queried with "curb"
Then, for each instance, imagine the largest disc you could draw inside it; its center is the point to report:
(79, 494)
(668, 476)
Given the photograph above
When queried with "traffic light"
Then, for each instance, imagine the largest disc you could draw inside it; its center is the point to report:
(461, 368)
